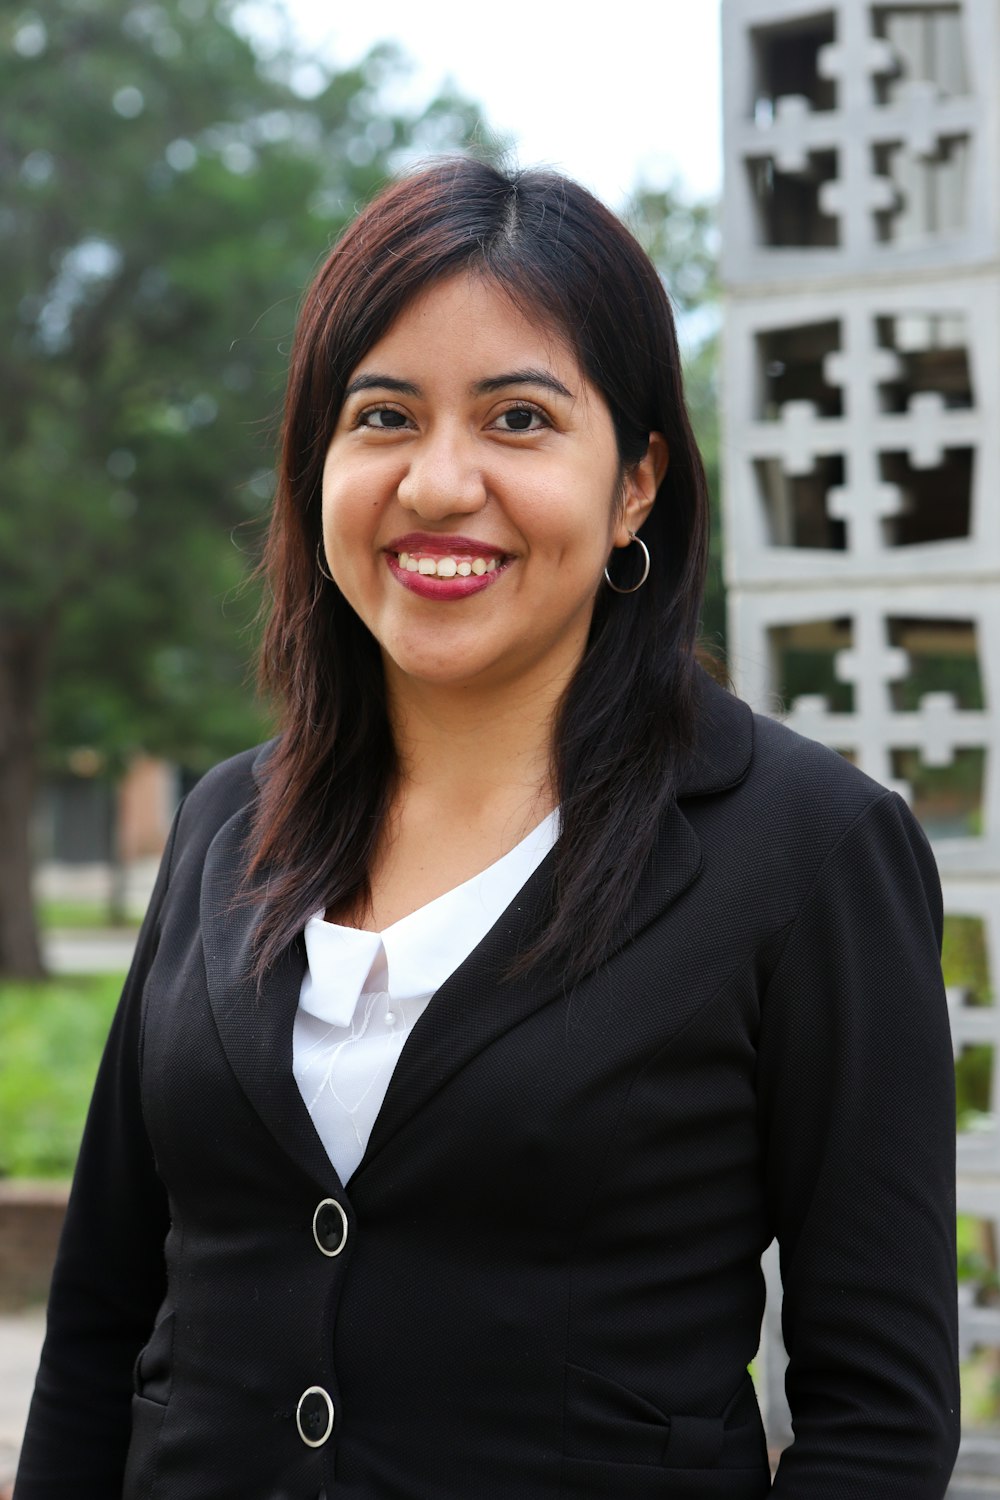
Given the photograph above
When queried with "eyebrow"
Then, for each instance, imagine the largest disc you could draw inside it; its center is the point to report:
(543, 378)
(487, 387)
(377, 382)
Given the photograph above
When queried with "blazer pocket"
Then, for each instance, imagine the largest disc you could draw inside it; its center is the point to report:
(152, 1370)
(607, 1422)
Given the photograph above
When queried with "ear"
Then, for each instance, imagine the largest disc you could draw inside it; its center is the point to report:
(642, 482)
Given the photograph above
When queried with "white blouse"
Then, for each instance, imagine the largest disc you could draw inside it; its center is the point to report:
(363, 992)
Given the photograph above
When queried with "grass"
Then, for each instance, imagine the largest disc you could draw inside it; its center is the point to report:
(53, 1034)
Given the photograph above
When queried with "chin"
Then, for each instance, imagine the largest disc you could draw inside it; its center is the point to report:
(436, 668)
(440, 674)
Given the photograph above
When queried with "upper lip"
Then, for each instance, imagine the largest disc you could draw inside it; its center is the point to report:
(433, 544)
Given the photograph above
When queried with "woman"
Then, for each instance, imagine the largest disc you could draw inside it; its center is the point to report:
(488, 1024)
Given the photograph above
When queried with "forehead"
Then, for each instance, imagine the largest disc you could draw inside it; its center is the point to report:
(469, 321)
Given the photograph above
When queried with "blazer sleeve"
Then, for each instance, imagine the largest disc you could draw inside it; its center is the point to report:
(109, 1276)
(856, 1091)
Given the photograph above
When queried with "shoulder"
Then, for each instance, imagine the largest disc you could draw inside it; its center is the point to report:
(783, 805)
(818, 808)
(225, 790)
(231, 782)
(802, 773)
(762, 761)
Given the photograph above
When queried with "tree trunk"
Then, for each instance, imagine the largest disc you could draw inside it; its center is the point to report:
(22, 658)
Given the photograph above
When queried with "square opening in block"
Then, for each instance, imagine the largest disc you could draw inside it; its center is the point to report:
(930, 192)
(795, 505)
(947, 800)
(803, 662)
(975, 1027)
(932, 351)
(978, 1260)
(979, 1321)
(788, 203)
(936, 503)
(944, 658)
(965, 960)
(973, 1086)
(786, 61)
(928, 43)
(790, 367)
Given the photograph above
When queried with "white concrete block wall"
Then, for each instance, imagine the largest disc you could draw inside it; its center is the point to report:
(862, 458)
(876, 139)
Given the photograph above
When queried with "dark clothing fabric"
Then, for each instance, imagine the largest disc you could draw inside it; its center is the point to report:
(550, 1285)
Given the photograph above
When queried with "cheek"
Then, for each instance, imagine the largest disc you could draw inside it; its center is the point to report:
(356, 489)
(572, 505)
(345, 503)
(344, 542)
(580, 523)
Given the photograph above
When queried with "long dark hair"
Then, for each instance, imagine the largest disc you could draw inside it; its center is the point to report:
(626, 720)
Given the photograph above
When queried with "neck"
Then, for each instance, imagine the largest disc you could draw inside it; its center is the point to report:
(476, 750)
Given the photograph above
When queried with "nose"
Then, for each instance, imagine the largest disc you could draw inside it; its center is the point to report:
(444, 477)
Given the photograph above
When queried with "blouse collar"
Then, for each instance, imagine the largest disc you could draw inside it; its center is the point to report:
(421, 950)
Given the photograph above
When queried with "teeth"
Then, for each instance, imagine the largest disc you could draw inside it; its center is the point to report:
(447, 567)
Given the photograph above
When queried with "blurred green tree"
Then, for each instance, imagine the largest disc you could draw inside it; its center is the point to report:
(168, 190)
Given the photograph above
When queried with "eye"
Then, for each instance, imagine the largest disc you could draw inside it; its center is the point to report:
(382, 418)
(522, 418)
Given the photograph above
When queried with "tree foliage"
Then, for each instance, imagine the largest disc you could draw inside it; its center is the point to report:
(168, 192)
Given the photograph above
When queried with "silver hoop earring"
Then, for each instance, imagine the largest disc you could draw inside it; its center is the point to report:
(319, 561)
(645, 570)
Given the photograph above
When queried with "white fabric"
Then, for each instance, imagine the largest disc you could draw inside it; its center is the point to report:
(363, 993)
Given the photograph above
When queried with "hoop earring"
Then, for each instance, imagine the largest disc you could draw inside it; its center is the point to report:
(319, 561)
(645, 570)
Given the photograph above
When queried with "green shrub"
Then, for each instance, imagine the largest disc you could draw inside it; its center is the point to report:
(51, 1038)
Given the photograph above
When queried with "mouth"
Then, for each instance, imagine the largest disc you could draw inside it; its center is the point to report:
(445, 567)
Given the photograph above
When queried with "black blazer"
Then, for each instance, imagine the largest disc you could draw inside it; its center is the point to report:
(549, 1285)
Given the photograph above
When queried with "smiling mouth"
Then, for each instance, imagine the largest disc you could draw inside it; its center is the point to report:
(447, 567)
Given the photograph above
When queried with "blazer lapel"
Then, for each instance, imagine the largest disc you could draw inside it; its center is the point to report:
(477, 1004)
(255, 1028)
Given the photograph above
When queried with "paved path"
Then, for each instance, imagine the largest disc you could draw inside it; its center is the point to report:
(20, 1342)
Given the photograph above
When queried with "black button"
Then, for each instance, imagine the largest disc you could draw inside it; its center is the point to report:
(314, 1416)
(330, 1227)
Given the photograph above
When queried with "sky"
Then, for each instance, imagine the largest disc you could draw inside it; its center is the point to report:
(633, 91)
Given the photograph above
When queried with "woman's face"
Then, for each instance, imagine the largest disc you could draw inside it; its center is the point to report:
(471, 494)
